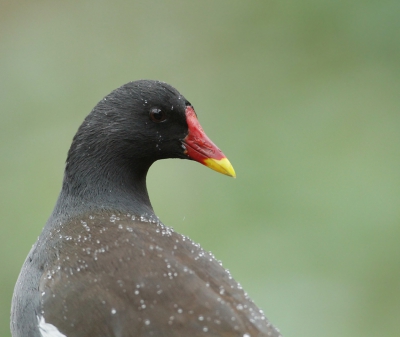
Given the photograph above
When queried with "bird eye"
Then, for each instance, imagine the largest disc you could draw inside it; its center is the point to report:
(157, 115)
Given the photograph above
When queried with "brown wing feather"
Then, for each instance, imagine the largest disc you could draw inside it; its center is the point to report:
(145, 279)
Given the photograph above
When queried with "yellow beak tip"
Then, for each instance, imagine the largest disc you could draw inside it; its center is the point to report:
(221, 165)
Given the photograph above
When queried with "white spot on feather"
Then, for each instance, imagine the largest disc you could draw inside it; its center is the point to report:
(47, 329)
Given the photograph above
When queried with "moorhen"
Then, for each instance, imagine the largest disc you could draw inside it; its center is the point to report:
(104, 265)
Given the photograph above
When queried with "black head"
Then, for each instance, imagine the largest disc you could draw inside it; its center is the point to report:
(140, 122)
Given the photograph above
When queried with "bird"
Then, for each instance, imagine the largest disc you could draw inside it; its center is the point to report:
(104, 264)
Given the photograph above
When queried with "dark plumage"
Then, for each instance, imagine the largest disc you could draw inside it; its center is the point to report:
(104, 264)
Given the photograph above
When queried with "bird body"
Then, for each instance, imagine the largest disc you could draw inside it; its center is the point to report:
(105, 265)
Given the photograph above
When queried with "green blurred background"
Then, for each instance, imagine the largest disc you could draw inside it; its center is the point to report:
(302, 96)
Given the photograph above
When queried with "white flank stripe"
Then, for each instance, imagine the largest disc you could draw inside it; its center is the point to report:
(47, 329)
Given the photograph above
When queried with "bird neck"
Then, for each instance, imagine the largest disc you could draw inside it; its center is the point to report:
(91, 185)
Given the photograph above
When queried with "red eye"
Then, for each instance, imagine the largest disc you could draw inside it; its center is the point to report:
(157, 115)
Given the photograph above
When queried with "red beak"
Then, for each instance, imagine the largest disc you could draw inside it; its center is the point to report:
(200, 148)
